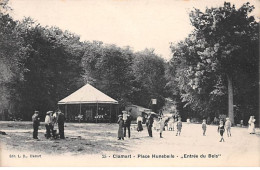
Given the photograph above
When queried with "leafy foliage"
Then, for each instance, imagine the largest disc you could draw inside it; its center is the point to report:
(223, 45)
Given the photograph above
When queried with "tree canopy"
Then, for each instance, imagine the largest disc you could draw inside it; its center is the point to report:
(212, 61)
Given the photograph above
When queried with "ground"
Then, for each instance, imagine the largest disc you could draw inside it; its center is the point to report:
(99, 142)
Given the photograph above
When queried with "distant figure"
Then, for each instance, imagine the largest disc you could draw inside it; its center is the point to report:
(241, 123)
(251, 125)
(127, 123)
(215, 121)
(60, 121)
(80, 117)
(208, 121)
(139, 121)
(156, 124)
(162, 125)
(48, 124)
(188, 121)
(204, 127)
(228, 127)
(149, 125)
(120, 133)
(221, 130)
(179, 127)
(36, 124)
(171, 124)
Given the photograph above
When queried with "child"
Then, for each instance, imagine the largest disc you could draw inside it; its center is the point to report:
(179, 126)
(228, 127)
(204, 127)
(221, 130)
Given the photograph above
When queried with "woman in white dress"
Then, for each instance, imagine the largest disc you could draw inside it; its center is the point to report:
(171, 124)
(251, 125)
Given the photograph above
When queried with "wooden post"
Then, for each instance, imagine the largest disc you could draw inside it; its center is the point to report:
(97, 112)
(80, 108)
(66, 114)
(110, 114)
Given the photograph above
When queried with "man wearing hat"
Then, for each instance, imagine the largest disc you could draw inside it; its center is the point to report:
(36, 124)
(48, 124)
(127, 123)
(149, 125)
(61, 120)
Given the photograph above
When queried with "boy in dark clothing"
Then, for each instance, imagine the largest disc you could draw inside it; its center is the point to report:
(221, 130)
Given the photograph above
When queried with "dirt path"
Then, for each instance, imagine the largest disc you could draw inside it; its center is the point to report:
(96, 140)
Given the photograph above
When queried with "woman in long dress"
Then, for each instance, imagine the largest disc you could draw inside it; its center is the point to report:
(251, 125)
(139, 123)
(171, 124)
(120, 122)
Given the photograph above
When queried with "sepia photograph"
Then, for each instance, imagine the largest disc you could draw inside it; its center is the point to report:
(129, 83)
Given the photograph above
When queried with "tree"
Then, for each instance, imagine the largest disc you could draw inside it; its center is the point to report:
(53, 66)
(108, 67)
(228, 32)
(221, 50)
(12, 52)
(149, 73)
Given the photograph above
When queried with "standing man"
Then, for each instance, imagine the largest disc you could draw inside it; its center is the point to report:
(36, 124)
(61, 120)
(127, 123)
(48, 124)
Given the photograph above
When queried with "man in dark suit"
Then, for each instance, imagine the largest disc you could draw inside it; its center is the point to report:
(150, 125)
(127, 123)
(36, 124)
(61, 120)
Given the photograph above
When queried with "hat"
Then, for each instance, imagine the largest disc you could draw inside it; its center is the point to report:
(124, 111)
(227, 118)
(36, 111)
(49, 112)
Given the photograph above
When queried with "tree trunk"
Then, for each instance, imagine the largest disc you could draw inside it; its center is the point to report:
(230, 99)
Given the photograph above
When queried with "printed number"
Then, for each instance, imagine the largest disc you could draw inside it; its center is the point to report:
(104, 156)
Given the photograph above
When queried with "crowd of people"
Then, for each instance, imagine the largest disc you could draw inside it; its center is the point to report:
(152, 121)
(51, 119)
(161, 123)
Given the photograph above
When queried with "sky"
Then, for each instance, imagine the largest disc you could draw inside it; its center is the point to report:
(139, 24)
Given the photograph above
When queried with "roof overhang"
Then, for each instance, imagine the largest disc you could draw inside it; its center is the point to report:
(85, 102)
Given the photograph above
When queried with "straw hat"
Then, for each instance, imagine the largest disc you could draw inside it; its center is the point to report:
(49, 112)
